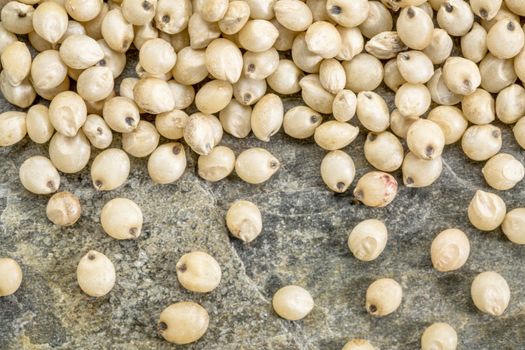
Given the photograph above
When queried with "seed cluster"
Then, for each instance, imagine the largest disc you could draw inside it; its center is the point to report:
(233, 60)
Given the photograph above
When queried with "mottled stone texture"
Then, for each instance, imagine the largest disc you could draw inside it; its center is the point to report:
(303, 242)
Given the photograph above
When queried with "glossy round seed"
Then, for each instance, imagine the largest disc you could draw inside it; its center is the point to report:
(80, 51)
(314, 95)
(294, 15)
(399, 124)
(235, 18)
(198, 134)
(67, 113)
(183, 322)
(332, 75)
(38, 175)
(69, 154)
(490, 293)
(486, 211)
(456, 17)
(110, 169)
(344, 106)
(379, 20)
(333, 135)
(348, 13)
(39, 128)
(167, 163)
(143, 140)
(363, 73)
(48, 70)
(496, 74)
(480, 142)
(16, 62)
(303, 58)
(392, 77)
(198, 272)
(285, 79)
(10, 276)
(190, 67)
(121, 218)
(505, 39)
(172, 16)
(415, 28)
(383, 151)
(510, 104)
(292, 303)
(425, 139)
(451, 121)
(217, 165)
(479, 107)
(116, 31)
(139, 13)
(17, 17)
(249, 91)
(412, 100)
(213, 96)
(96, 274)
(260, 65)
(63, 209)
(83, 10)
(358, 344)
(474, 43)
(513, 225)
(439, 92)
(95, 83)
(415, 67)
(13, 127)
(440, 47)
(258, 35)
(419, 172)
(224, 60)
(383, 297)
(337, 171)
(368, 239)
(235, 119)
(461, 76)
(300, 122)
(376, 189)
(256, 165)
(267, 117)
(157, 56)
(450, 250)
(183, 95)
(97, 131)
(121, 114)
(519, 132)
(503, 171)
(153, 96)
(50, 21)
(439, 336)
(323, 39)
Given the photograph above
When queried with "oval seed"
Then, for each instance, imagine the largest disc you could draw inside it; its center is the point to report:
(260, 65)
(258, 35)
(97, 131)
(503, 171)
(190, 67)
(450, 250)
(425, 139)
(456, 17)
(510, 104)
(305, 59)
(213, 96)
(39, 128)
(479, 107)
(121, 218)
(440, 47)
(38, 175)
(383, 151)
(323, 39)
(157, 56)
(21, 96)
(201, 32)
(383, 297)
(143, 140)
(256, 165)
(415, 28)
(110, 169)
(419, 172)
(167, 163)
(393, 78)
(358, 344)
(116, 31)
(199, 134)
(121, 114)
(139, 13)
(412, 100)
(96, 274)
(300, 122)
(294, 15)
(17, 17)
(50, 21)
(385, 45)
(235, 18)
(183, 322)
(399, 124)
(244, 220)
(363, 73)
(348, 13)
(439, 335)
(80, 51)
(7, 38)
(474, 43)
(332, 75)
(480, 142)
(514, 225)
(248, 91)
(16, 62)
(378, 20)
(285, 80)
(461, 76)
(344, 106)
(217, 165)
(486, 211)
(69, 154)
(48, 70)
(83, 10)
(235, 119)
(153, 96)
(415, 67)
(439, 92)
(95, 83)
(337, 171)
(10, 276)
(496, 74)
(67, 113)
(490, 293)
(505, 39)
(198, 272)
(519, 132)
(368, 239)
(224, 60)
(63, 209)
(376, 189)
(172, 16)
(333, 135)
(267, 117)
(451, 121)
(286, 37)
(12, 127)
(292, 303)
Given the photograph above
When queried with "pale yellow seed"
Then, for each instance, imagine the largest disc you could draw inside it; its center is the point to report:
(503, 171)
(300, 122)
(244, 220)
(183, 322)
(425, 139)
(121, 218)
(13, 127)
(451, 121)
(198, 272)
(292, 303)
(490, 293)
(167, 163)
(333, 135)
(10, 276)
(441, 335)
(376, 189)
(384, 151)
(235, 119)
(69, 154)
(337, 171)
(368, 239)
(514, 225)
(314, 95)
(383, 297)
(267, 117)
(486, 211)
(480, 142)
(419, 172)
(372, 111)
(63, 209)
(256, 165)
(38, 175)
(449, 250)
(96, 274)
(97, 131)
(217, 165)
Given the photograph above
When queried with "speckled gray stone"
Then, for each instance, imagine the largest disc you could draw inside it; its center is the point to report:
(303, 242)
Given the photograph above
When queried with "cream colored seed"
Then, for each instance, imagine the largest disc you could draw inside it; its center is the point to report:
(97, 131)
(425, 139)
(337, 171)
(510, 104)
(300, 122)
(267, 117)
(348, 13)
(224, 60)
(368, 239)
(344, 106)
(392, 77)
(323, 39)
(450, 250)
(63, 209)
(139, 13)
(413, 100)
(83, 10)
(474, 43)
(439, 92)
(167, 163)
(183, 95)
(503, 171)
(456, 17)
(372, 111)
(303, 58)
(333, 135)
(519, 65)
(451, 121)
(294, 15)
(516, 6)
(514, 225)
(199, 133)
(10, 276)
(172, 16)
(249, 91)
(244, 220)
(116, 31)
(38, 175)
(358, 344)
(17, 17)
(519, 132)
(96, 274)
(385, 45)
(440, 47)
(439, 335)
(461, 76)
(285, 80)
(48, 70)
(143, 140)
(157, 56)
(49, 94)
(376, 189)
(256, 165)
(153, 96)
(399, 124)
(50, 21)
(415, 28)
(212, 10)
(93, 27)
(383, 297)
(16, 62)
(69, 154)
(363, 73)
(379, 20)
(332, 75)
(95, 83)
(490, 293)
(486, 211)
(13, 127)
(145, 33)
(21, 96)
(217, 165)
(486, 9)
(190, 67)
(479, 107)
(384, 151)
(183, 322)
(496, 74)
(235, 18)
(110, 169)
(121, 218)
(67, 113)
(7, 38)
(284, 41)
(314, 95)
(260, 65)
(415, 67)
(201, 32)
(80, 52)
(213, 96)
(171, 124)
(480, 142)
(505, 39)
(198, 272)
(235, 119)
(258, 35)
(292, 302)
(419, 172)
(39, 128)
(73, 28)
